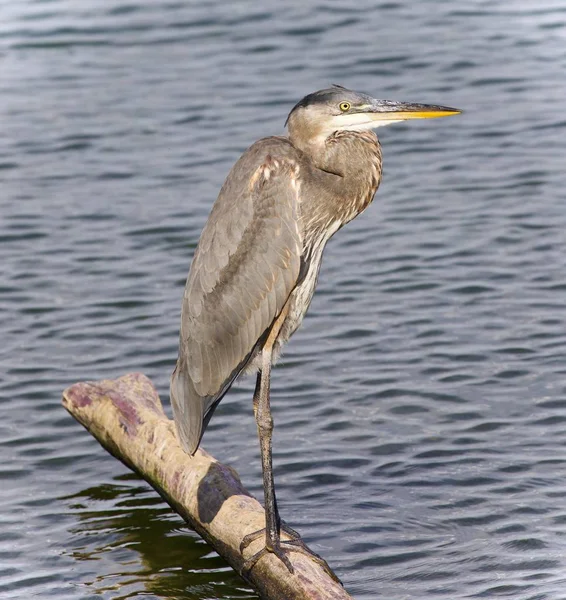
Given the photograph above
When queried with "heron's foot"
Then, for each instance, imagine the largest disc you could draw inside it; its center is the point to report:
(252, 537)
(276, 549)
(280, 548)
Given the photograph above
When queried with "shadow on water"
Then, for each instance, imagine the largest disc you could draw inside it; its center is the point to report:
(141, 547)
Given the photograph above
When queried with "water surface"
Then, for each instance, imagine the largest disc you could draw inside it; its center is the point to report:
(420, 412)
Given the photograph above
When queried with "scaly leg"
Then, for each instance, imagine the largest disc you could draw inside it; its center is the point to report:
(273, 525)
(265, 430)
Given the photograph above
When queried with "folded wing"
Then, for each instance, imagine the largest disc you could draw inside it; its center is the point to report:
(246, 264)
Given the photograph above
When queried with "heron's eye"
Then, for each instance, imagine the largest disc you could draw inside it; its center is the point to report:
(345, 106)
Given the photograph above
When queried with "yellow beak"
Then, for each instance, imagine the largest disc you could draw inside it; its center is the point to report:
(387, 110)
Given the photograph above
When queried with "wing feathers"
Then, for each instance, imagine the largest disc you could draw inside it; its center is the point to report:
(246, 264)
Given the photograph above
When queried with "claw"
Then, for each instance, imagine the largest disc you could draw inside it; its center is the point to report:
(251, 537)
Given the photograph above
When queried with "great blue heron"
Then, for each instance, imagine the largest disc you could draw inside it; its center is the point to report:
(256, 265)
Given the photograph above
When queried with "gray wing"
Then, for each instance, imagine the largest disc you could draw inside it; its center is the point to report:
(246, 264)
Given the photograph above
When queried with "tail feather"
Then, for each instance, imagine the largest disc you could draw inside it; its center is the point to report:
(192, 412)
(188, 409)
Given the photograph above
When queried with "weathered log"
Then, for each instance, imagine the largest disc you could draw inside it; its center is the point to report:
(125, 415)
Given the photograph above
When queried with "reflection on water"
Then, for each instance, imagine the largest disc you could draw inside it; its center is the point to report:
(144, 546)
(419, 413)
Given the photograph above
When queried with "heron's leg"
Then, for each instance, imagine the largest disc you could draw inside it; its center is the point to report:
(264, 420)
(256, 392)
(265, 430)
(251, 537)
(273, 524)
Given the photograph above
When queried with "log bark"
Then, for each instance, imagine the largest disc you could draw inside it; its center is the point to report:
(125, 415)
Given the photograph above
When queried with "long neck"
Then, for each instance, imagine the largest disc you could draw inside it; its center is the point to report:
(344, 172)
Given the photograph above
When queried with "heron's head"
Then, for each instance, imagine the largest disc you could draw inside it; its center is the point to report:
(320, 114)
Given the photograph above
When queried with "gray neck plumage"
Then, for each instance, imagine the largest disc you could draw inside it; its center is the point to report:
(341, 178)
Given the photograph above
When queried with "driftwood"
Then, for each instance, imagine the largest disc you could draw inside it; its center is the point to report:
(125, 415)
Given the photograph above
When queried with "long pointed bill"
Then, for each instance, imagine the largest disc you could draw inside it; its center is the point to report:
(386, 110)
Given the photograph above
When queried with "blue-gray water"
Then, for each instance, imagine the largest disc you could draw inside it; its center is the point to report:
(420, 440)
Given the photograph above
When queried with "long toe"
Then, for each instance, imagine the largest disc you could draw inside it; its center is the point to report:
(251, 537)
(250, 563)
(281, 549)
(290, 531)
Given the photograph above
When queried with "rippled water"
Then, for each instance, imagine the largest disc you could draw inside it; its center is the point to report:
(420, 440)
